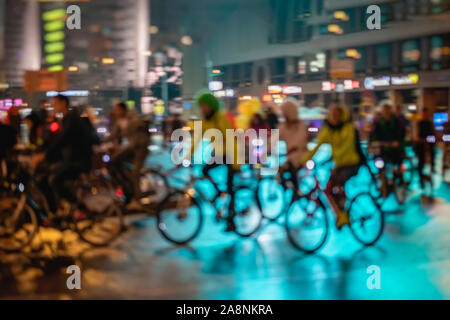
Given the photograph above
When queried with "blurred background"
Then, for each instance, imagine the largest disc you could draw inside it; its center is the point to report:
(157, 54)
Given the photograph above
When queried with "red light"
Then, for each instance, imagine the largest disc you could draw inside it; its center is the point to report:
(267, 98)
(119, 193)
(54, 126)
(355, 84)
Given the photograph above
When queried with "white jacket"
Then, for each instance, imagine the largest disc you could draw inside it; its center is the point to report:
(294, 132)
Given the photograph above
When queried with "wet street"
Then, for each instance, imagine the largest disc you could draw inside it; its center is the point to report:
(413, 256)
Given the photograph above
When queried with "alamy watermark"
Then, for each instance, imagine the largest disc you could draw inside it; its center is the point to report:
(74, 280)
(374, 280)
(373, 22)
(241, 147)
(73, 21)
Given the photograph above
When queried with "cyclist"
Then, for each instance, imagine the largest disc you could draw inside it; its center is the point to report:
(406, 124)
(35, 127)
(214, 118)
(272, 117)
(7, 143)
(425, 142)
(390, 134)
(71, 152)
(341, 134)
(295, 134)
(130, 137)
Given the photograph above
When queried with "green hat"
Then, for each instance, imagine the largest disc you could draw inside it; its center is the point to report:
(210, 100)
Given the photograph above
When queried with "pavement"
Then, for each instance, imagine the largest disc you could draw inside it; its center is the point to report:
(412, 257)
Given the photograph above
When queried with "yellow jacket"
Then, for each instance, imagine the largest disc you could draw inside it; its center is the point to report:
(220, 122)
(342, 141)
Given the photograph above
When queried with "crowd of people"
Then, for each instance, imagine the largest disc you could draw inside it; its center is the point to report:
(63, 143)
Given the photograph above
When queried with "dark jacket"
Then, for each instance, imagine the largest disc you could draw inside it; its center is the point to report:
(388, 130)
(425, 129)
(7, 141)
(73, 142)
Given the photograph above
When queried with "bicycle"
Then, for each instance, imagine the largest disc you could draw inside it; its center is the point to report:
(99, 223)
(183, 204)
(390, 178)
(18, 221)
(308, 212)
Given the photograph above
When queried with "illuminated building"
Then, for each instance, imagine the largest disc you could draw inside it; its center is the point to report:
(294, 42)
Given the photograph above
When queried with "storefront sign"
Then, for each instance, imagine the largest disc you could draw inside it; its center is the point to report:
(274, 89)
(328, 86)
(290, 90)
(228, 93)
(69, 93)
(342, 68)
(215, 85)
(370, 83)
(412, 78)
(385, 81)
(267, 98)
(43, 80)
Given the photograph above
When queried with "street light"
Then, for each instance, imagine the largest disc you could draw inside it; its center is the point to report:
(108, 60)
(186, 40)
(153, 29)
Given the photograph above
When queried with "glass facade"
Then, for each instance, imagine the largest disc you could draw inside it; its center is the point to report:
(410, 55)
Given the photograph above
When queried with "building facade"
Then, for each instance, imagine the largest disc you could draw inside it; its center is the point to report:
(319, 50)
(104, 59)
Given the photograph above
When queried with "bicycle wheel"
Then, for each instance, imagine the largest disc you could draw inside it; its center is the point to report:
(101, 223)
(307, 224)
(271, 198)
(179, 217)
(246, 211)
(17, 228)
(153, 187)
(366, 219)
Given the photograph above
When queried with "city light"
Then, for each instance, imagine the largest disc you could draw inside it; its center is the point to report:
(54, 47)
(54, 36)
(153, 29)
(341, 15)
(215, 85)
(108, 61)
(52, 15)
(353, 53)
(335, 28)
(73, 68)
(54, 58)
(54, 26)
(186, 40)
(267, 98)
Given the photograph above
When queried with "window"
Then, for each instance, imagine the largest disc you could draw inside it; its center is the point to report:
(383, 56)
(410, 55)
(359, 55)
(387, 12)
(281, 21)
(440, 52)
(302, 7)
(319, 7)
(278, 70)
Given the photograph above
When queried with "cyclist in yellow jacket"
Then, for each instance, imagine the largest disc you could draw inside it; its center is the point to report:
(343, 138)
(214, 118)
